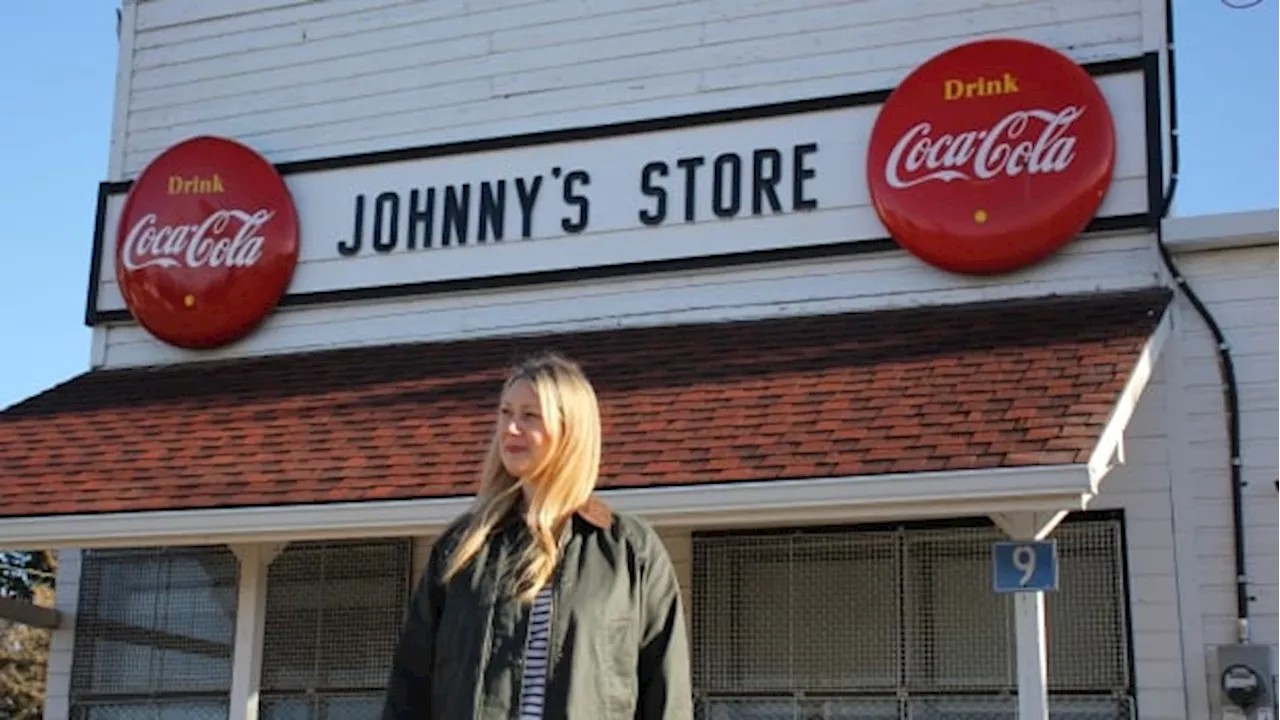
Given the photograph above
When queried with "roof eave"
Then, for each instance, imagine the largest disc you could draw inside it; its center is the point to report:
(825, 500)
(1109, 450)
(1222, 231)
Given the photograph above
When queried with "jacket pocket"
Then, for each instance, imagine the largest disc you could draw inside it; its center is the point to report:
(618, 652)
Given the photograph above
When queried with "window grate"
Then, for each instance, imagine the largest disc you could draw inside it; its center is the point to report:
(154, 633)
(899, 622)
(334, 611)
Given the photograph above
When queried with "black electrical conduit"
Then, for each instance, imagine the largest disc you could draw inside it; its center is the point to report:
(1225, 365)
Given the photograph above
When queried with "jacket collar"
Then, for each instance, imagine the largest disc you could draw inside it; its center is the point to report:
(596, 512)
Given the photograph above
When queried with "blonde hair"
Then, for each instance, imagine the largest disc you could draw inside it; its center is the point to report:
(558, 486)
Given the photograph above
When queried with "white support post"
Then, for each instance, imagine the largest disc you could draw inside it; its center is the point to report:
(1028, 609)
(251, 609)
(1033, 664)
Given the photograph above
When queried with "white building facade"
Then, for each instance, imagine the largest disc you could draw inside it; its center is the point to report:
(833, 375)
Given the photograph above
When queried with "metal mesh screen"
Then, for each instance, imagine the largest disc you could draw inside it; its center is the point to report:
(781, 605)
(163, 709)
(154, 633)
(954, 707)
(1006, 708)
(899, 623)
(333, 615)
(799, 709)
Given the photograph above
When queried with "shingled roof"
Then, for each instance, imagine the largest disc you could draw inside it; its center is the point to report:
(1013, 383)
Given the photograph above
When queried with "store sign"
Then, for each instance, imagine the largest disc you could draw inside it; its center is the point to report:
(732, 183)
(208, 241)
(630, 199)
(991, 156)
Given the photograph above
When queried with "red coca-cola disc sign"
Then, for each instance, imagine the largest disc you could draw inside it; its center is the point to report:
(207, 243)
(991, 156)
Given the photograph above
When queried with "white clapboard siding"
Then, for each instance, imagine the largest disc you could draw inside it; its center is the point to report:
(300, 80)
(1140, 487)
(1239, 287)
(1181, 553)
(871, 282)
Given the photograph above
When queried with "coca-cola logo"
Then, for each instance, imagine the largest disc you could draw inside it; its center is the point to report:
(206, 244)
(1004, 149)
(991, 156)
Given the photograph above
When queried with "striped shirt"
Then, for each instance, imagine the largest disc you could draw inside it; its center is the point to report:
(534, 681)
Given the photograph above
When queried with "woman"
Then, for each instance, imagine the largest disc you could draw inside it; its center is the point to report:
(540, 603)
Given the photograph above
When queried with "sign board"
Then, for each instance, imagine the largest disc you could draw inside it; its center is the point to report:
(727, 184)
(209, 242)
(991, 156)
(1024, 566)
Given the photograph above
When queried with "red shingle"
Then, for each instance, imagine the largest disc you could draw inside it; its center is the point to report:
(961, 387)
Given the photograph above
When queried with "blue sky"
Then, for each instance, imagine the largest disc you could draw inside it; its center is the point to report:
(59, 59)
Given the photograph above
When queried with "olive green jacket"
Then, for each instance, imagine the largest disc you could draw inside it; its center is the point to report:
(618, 646)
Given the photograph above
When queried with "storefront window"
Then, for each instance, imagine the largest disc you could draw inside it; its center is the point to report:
(154, 633)
(333, 617)
(899, 622)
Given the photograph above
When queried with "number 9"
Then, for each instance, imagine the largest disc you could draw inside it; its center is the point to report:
(1024, 559)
